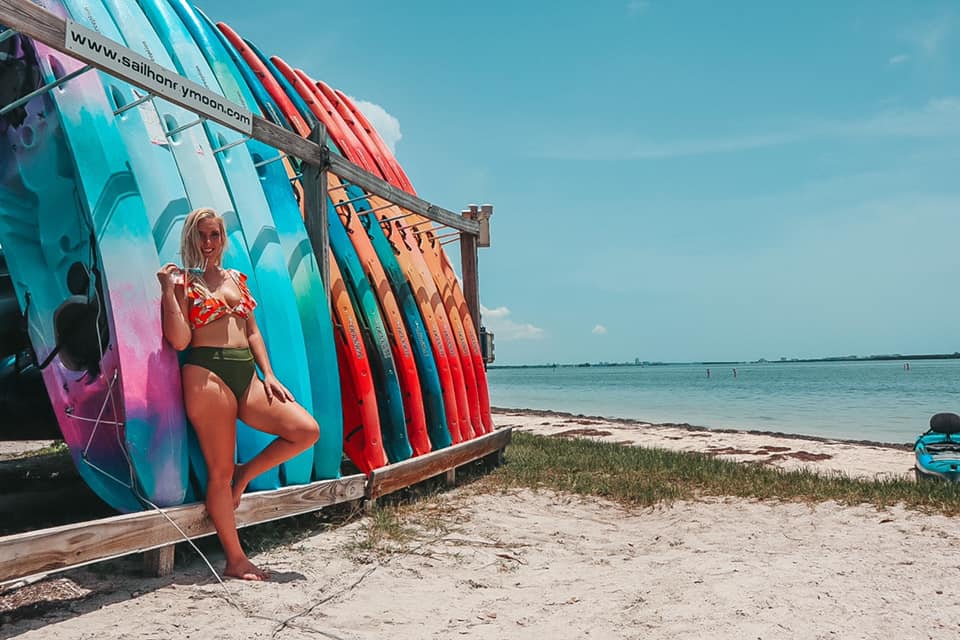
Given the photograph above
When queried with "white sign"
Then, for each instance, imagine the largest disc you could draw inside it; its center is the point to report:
(124, 63)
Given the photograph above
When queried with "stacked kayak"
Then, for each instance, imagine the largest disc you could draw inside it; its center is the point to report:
(96, 179)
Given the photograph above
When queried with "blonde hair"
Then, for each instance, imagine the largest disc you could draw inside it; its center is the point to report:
(194, 264)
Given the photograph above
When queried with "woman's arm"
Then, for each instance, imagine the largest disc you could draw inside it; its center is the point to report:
(173, 304)
(271, 385)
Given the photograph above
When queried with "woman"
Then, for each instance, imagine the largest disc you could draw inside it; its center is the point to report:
(210, 310)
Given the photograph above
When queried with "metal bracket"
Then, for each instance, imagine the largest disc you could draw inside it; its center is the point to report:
(365, 196)
(263, 163)
(387, 221)
(235, 143)
(135, 103)
(184, 127)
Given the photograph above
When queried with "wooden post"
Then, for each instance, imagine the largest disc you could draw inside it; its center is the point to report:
(495, 459)
(468, 260)
(315, 207)
(483, 235)
(450, 477)
(159, 562)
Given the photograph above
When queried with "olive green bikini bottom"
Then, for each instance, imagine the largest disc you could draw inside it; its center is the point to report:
(234, 366)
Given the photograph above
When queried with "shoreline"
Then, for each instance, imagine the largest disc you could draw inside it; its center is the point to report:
(549, 413)
(853, 458)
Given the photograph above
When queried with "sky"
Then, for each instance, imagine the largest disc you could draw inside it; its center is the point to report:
(671, 181)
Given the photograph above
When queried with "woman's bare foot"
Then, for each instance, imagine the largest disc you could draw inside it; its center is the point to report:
(240, 482)
(245, 570)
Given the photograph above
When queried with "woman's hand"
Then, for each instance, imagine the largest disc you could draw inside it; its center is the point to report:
(274, 389)
(168, 275)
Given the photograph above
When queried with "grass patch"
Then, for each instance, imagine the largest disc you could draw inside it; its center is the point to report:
(646, 477)
(384, 530)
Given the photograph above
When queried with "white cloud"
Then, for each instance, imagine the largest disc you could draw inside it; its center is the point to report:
(386, 125)
(636, 7)
(499, 322)
(898, 59)
(937, 118)
(494, 314)
(599, 330)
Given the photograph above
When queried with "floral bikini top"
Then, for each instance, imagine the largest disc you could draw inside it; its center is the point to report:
(205, 309)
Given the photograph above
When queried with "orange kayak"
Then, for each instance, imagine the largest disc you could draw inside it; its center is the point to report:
(411, 260)
(438, 264)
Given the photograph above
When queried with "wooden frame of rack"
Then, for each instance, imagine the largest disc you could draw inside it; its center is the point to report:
(45, 551)
(54, 549)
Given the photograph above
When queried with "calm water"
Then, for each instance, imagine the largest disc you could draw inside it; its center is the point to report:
(859, 400)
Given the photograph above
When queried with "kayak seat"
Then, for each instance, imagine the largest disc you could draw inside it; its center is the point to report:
(946, 423)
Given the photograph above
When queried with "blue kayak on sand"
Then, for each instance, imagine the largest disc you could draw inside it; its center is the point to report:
(938, 450)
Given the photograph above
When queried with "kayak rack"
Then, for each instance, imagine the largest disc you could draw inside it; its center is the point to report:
(29, 555)
(26, 557)
(472, 224)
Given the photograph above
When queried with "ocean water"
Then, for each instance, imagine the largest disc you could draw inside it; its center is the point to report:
(879, 401)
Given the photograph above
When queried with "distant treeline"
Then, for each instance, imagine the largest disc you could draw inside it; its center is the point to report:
(896, 356)
(921, 356)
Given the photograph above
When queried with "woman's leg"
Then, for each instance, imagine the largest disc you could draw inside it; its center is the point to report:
(212, 409)
(295, 428)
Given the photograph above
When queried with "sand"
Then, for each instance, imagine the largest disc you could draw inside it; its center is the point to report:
(480, 563)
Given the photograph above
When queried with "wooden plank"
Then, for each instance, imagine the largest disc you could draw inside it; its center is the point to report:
(31, 20)
(73, 545)
(409, 472)
(287, 141)
(349, 171)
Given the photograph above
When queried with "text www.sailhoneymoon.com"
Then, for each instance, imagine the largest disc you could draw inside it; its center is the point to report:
(160, 81)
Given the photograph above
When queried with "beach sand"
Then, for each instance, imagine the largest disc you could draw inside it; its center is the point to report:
(482, 563)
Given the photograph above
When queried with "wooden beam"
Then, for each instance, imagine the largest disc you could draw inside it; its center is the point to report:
(409, 472)
(351, 172)
(287, 141)
(32, 21)
(73, 545)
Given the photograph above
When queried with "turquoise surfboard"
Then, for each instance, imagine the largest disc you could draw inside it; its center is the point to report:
(204, 185)
(312, 303)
